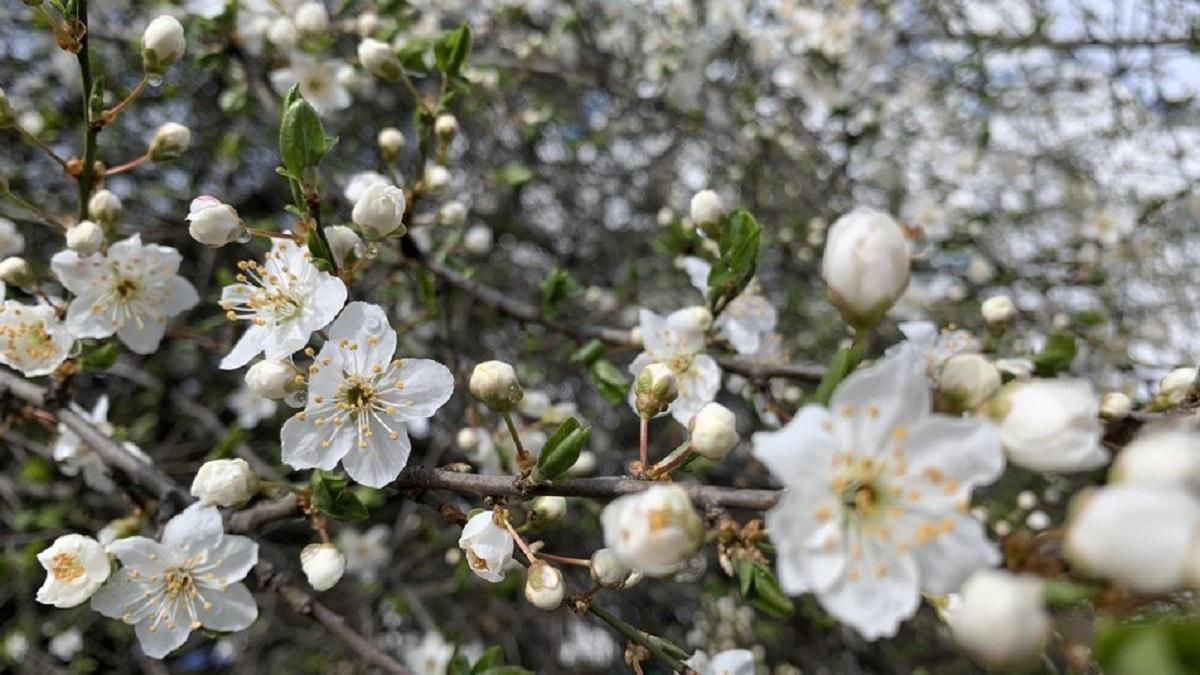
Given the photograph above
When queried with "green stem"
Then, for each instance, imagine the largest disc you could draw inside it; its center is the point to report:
(671, 462)
(91, 130)
(35, 210)
(524, 461)
(662, 649)
(41, 145)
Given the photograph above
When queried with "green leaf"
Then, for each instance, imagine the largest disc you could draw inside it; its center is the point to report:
(589, 353)
(557, 287)
(451, 50)
(332, 497)
(302, 140)
(843, 363)
(514, 174)
(741, 236)
(610, 381)
(459, 665)
(100, 356)
(744, 567)
(1165, 646)
(493, 656)
(759, 586)
(561, 450)
(322, 257)
(1056, 356)
(505, 670)
(412, 55)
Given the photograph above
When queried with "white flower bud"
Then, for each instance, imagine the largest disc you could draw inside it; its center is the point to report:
(225, 482)
(11, 240)
(478, 240)
(85, 237)
(311, 19)
(583, 466)
(544, 586)
(654, 531)
(379, 59)
(495, 383)
(1115, 405)
(8, 116)
(437, 177)
(866, 265)
(713, 431)
(271, 379)
(343, 242)
(488, 545)
(104, 207)
(170, 141)
(380, 211)
(654, 390)
(1165, 457)
(998, 311)
(694, 319)
(1175, 387)
(162, 44)
(967, 381)
(606, 569)
(549, 509)
(213, 223)
(452, 214)
(76, 566)
(1002, 619)
(323, 565)
(1143, 536)
(1052, 425)
(15, 271)
(391, 143)
(283, 34)
(367, 23)
(706, 208)
(445, 126)
(467, 439)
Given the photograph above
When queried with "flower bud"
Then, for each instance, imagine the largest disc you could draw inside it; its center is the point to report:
(1002, 620)
(437, 177)
(323, 565)
(162, 44)
(446, 127)
(606, 569)
(343, 243)
(488, 545)
(271, 379)
(495, 383)
(8, 116)
(14, 271)
(998, 312)
(654, 390)
(170, 141)
(1175, 387)
(654, 531)
(213, 223)
(391, 143)
(478, 240)
(452, 214)
(1115, 405)
(104, 207)
(85, 237)
(967, 381)
(544, 586)
(1166, 457)
(866, 265)
(282, 34)
(76, 566)
(549, 509)
(713, 431)
(225, 482)
(380, 211)
(1052, 425)
(379, 59)
(311, 19)
(706, 208)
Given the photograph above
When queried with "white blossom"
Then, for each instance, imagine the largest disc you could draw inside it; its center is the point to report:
(318, 80)
(170, 141)
(878, 492)
(311, 18)
(379, 211)
(250, 407)
(360, 398)
(654, 531)
(271, 379)
(488, 545)
(678, 342)
(225, 482)
(76, 457)
(33, 339)
(359, 183)
(66, 644)
(445, 126)
(496, 384)
(967, 381)
(11, 240)
(1175, 386)
(285, 299)
(378, 58)
(212, 222)
(706, 207)
(131, 290)
(391, 142)
(190, 580)
(15, 270)
(712, 433)
(865, 265)
(366, 552)
(748, 319)
(1160, 457)
(76, 566)
(162, 44)
(430, 656)
(1115, 405)
(323, 565)
(1001, 618)
(478, 240)
(998, 311)
(544, 586)
(654, 390)
(1052, 425)
(728, 662)
(607, 569)
(344, 243)
(104, 207)
(452, 214)
(85, 237)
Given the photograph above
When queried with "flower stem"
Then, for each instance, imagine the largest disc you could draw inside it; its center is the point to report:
(671, 462)
(663, 650)
(524, 460)
(111, 114)
(529, 555)
(41, 145)
(90, 129)
(565, 560)
(35, 210)
(131, 164)
(644, 440)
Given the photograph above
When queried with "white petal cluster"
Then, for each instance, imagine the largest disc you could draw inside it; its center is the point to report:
(85, 237)
(188, 581)
(319, 81)
(33, 339)
(488, 545)
(271, 379)
(1160, 457)
(285, 299)
(380, 210)
(967, 381)
(677, 341)
(1175, 386)
(360, 398)
(104, 207)
(12, 241)
(1001, 618)
(706, 207)
(162, 44)
(748, 320)
(713, 431)
(170, 141)
(654, 531)
(76, 566)
(77, 458)
(876, 507)
(212, 222)
(865, 265)
(323, 565)
(366, 552)
(225, 482)
(728, 662)
(544, 587)
(1053, 425)
(496, 384)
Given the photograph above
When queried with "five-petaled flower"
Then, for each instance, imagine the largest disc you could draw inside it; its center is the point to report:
(678, 341)
(131, 290)
(188, 581)
(76, 566)
(32, 338)
(488, 545)
(360, 398)
(76, 457)
(877, 498)
(285, 299)
(748, 319)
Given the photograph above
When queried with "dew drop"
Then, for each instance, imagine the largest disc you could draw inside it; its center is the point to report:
(154, 80)
(244, 237)
(298, 398)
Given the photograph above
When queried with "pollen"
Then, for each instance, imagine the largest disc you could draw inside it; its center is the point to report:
(66, 567)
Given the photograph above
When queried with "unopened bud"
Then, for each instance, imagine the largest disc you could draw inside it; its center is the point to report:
(1115, 405)
(344, 244)
(391, 143)
(967, 381)
(549, 509)
(998, 312)
(162, 44)
(446, 126)
(607, 570)
(271, 379)
(1175, 387)
(85, 237)
(14, 271)
(311, 18)
(104, 207)
(655, 390)
(706, 207)
(478, 240)
(495, 383)
(437, 178)
(170, 141)
(452, 214)
(544, 586)
(323, 565)
(379, 59)
(225, 482)
(212, 222)
(713, 431)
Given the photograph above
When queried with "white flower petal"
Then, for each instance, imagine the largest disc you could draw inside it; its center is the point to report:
(891, 393)
(427, 385)
(160, 638)
(301, 443)
(382, 460)
(947, 561)
(965, 450)
(801, 450)
(197, 523)
(142, 336)
(876, 593)
(233, 609)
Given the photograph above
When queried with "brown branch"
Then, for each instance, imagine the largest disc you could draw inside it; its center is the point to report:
(248, 521)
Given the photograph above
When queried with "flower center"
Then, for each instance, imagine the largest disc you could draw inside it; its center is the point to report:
(659, 519)
(179, 582)
(680, 364)
(356, 394)
(66, 567)
(315, 84)
(126, 288)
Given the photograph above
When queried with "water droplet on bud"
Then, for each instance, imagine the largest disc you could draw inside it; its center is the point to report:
(244, 237)
(298, 398)
(154, 80)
